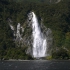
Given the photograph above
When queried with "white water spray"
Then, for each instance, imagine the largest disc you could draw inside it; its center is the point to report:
(39, 41)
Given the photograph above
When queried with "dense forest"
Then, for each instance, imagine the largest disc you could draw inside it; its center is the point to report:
(55, 16)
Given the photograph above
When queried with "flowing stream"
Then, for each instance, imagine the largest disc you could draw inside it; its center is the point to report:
(39, 40)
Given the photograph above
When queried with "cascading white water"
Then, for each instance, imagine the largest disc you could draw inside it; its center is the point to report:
(39, 41)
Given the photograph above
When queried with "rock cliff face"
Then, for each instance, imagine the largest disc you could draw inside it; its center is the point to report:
(17, 34)
(23, 35)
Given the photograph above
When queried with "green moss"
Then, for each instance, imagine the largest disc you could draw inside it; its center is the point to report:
(48, 58)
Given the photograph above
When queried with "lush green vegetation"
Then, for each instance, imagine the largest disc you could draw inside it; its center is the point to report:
(55, 16)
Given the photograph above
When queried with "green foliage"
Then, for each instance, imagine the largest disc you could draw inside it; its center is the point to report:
(49, 58)
(67, 40)
(55, 16)
(60, 54)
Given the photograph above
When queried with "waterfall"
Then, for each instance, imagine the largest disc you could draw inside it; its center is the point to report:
(39, 40)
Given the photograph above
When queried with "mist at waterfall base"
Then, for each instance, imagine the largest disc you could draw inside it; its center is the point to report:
(39, 40)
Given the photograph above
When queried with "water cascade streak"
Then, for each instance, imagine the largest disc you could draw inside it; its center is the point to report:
(39, 41)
